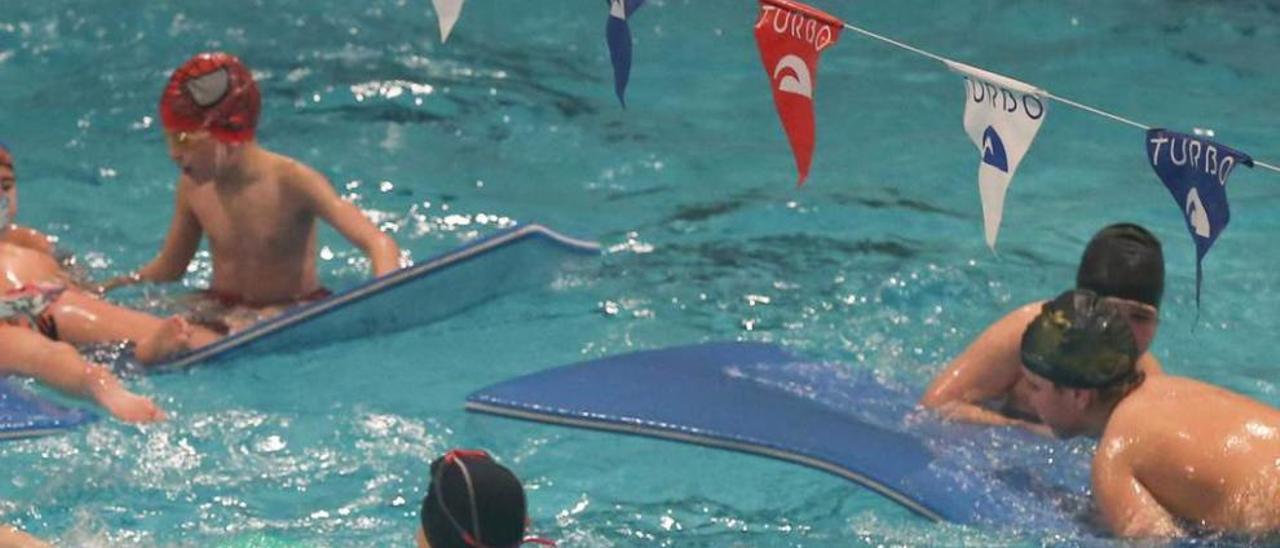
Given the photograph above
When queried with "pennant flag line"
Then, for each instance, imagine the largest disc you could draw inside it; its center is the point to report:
(1001, 116)
(617, 34)
(790, 36)
(1195, 170)
(447, 11)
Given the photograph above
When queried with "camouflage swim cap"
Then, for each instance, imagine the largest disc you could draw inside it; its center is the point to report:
(1080, 341)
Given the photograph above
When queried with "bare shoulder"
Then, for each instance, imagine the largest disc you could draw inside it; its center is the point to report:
(300, 180)
(1144, 411)
(1016, 321)
(1146, 397)
(1026, 312)
(292, 171)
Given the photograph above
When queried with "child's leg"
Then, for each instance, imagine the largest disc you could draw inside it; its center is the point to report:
(59, 365)
(83, 318)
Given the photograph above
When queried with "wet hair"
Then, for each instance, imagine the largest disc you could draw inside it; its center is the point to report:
(1080, 340)
(473, 501)
(1124, 261)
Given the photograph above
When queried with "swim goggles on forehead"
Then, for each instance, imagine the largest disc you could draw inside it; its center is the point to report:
(182, 139)
(455, 457)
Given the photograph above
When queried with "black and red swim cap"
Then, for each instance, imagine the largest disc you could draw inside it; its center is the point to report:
(473, 502)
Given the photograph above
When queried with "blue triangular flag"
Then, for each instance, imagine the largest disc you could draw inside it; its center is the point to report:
(993, 152)
(618, 36)
(1195, 170)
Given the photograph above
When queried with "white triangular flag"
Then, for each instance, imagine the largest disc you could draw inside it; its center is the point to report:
(447, 11)
(1001, 116)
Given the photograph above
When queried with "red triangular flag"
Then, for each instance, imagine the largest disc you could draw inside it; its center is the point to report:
(790, 36)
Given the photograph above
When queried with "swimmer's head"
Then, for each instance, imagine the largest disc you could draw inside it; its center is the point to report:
(1080, 340)
(1079, 359)
(211, 92)
(472, 501)
(1123, 261)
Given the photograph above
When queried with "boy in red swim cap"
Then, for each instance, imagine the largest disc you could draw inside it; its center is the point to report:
(258, 208)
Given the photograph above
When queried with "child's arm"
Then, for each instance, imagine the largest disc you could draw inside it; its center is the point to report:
(988, 369)
(1127, 506)
(180, 245)
(59, 365)
(348, 220)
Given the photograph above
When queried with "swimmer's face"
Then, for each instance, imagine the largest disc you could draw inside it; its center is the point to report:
(197, 154)
(1143, 320)
(1061, 409)
(422, 538)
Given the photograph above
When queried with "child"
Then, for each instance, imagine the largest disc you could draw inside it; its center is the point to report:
(1175, 456)
(29, 270)
(258, 208)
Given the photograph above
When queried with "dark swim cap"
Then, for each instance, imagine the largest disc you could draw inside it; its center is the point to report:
(1080, 341)
(473, 501)
(214, 92)
(1124, 261)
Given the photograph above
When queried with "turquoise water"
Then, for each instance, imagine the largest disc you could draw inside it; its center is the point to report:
(878, 262)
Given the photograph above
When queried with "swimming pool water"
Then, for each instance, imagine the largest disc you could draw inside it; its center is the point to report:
(878, 262)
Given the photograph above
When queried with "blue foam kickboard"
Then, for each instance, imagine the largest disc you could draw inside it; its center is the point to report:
(757, 398)
(510, 260)
(23, 414)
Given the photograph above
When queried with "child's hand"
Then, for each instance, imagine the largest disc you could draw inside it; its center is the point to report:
(118, 281)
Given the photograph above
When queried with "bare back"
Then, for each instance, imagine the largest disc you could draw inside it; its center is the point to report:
(1208, 456)
(261, 231)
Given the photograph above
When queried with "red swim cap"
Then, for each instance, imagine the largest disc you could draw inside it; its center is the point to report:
(214, 92)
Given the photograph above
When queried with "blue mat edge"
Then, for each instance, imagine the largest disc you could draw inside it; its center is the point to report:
(454, 257)
(63, 419)
(480, 403)
(761, 450)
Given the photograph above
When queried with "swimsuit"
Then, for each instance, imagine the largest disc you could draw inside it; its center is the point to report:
(213, 312)
(30, 305)
(232, 300)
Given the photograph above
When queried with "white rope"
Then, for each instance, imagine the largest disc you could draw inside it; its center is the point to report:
(1099, 112)
(891, 41)
(1063, 100)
